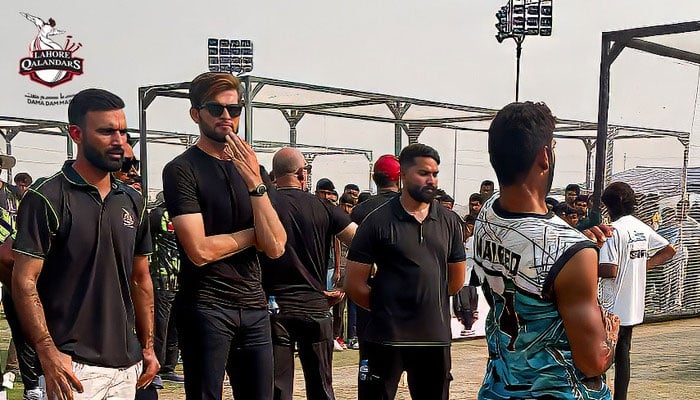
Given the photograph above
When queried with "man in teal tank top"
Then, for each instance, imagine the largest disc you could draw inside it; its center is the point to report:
(539, 275)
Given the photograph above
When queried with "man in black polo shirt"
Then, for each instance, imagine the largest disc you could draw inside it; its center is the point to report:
(298, 280)
(80, 282)
(417, 247)
(221, 212)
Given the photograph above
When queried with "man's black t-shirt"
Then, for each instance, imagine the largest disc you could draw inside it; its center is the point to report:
(409, 301)
(88, 246)
(362, 210)
(298, 278)
(197, 183)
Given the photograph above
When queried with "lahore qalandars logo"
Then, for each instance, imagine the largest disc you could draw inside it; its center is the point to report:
(49, 63)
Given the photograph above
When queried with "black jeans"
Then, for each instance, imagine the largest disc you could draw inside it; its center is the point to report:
(464, 304)
(29, 366)
(313, 335)
(427, 371)
(165, 335)
(622, 362)
(213, 340)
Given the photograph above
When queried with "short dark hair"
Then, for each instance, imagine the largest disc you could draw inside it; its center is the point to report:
(91, 100)
(408, 155)
(23, 177)
(572, 187)
(581, 197)
(351, 186)
(516, 135)
(346, 198)
(207, 85)
(563, 208)
(381, 179)
(619, 199)
(551, 201)
(469, 219)
(476, 197)
(446, 198)
(487, 182)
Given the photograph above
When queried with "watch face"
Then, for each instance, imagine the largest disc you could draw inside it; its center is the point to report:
(259, 190)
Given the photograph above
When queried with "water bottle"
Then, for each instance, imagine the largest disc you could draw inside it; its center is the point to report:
(364, 370)
(272, 306)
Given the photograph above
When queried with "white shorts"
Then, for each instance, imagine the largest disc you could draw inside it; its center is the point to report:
(107, 383)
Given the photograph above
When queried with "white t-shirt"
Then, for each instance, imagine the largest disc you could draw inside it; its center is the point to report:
(629, 249)
(469, 249)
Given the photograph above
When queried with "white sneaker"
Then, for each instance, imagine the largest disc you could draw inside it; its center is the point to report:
(337, 346)
(467, 332)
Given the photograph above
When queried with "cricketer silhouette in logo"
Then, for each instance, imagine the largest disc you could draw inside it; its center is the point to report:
(50, 63)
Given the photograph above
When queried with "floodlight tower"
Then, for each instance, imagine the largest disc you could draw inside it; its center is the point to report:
(520, 18)
(230, 55)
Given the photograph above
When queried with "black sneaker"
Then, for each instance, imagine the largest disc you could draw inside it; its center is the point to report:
(172, 377)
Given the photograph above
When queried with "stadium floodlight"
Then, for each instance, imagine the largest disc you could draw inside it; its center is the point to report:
(520, 18)
(234, 56)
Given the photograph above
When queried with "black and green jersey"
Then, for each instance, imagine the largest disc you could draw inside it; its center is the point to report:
(165, 261)
(87, 245)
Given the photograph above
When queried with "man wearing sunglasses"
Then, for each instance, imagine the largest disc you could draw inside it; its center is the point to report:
(298, 280)
(221, 213)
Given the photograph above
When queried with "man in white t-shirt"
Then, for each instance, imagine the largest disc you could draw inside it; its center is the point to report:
(623, 263)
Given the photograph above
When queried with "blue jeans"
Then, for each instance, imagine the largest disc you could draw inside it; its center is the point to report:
(213, 340)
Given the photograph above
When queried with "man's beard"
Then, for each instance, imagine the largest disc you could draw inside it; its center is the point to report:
(102, 161)
(212, 133)
(423, 194)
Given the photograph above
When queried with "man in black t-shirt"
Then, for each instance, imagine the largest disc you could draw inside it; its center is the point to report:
(417, 247)
(80, 282)
(298, 280)
(386, 176)
(218, 204)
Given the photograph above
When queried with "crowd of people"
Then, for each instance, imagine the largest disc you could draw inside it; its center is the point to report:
(238, 269)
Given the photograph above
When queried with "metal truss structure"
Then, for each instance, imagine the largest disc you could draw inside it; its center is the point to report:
(677, 41)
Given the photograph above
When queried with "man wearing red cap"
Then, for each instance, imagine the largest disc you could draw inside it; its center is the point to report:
(386, 177)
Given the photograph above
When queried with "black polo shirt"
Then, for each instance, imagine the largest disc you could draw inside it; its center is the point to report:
(88, 247)
(197, 183)
(298, 278)
(409, 301)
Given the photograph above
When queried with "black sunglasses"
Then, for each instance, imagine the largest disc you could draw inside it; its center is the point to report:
(130, 162)
(216, 109)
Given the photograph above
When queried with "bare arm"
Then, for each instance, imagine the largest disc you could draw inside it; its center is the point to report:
(607, 270)
(57, 366)
(270, 235)
(576, 290)
(336, 261)
(661, 257)
(7, 262)
(347, 234)
(455, 276)
(142, 295)
(202, 249)
(356, 275)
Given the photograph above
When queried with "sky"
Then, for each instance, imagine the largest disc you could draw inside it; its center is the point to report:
(436, 50)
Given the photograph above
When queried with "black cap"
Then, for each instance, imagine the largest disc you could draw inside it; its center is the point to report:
(325, 184)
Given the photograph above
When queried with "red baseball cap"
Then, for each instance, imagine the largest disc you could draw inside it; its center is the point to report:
(388, 164)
